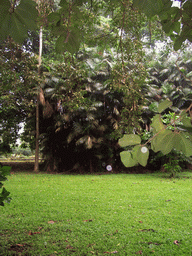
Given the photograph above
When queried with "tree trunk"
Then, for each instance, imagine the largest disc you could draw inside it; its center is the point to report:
(36, 167)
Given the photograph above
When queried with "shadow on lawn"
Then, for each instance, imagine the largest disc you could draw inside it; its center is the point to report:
(29, 168)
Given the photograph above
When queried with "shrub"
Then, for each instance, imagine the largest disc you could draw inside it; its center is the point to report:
(4, 194)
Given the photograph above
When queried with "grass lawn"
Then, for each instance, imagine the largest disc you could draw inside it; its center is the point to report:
(121, 214)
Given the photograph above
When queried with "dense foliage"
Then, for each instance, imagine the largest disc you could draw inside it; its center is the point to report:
(92, 81)
(88, 99)
(167, 113)
(18, 82)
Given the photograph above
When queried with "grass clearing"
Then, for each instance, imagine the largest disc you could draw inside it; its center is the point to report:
(121, 214)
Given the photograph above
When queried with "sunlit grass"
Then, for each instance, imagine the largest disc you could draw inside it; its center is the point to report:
(119, 214)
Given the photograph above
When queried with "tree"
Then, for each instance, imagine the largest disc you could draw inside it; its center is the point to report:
(122, 74)
(44, 8)
(113, 25)
(18, 79)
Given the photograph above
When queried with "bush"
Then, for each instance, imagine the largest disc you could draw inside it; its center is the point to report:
(172, 166)
(4, 194)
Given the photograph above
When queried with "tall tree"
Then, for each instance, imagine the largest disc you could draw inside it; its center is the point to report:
(36, 166)
(44, 8)
(18, 78)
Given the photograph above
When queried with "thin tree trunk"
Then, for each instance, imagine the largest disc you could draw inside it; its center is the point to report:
(36, 167)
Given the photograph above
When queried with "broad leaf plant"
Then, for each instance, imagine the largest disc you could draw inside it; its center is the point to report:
(175, 135)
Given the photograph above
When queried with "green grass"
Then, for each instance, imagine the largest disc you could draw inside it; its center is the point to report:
(121, 214)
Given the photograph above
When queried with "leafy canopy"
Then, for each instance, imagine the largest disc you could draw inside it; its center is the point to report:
(69, 21)
(176, 21)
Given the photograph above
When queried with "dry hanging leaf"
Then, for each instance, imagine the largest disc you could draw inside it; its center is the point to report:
(41, 97)
(115, 110)
(47, 110)
(58, 105)
(89, 143)
(115, 126)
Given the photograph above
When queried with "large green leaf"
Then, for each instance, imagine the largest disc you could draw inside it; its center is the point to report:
(166, 24)
(154, 146)
(17, 23)
(18, 30)
(176, 26)
(127, 159)
(143, 155)
(54, 18)
(183, 144)
(164, 105)
(178, 42)
(135, 151)
(27, 13)
(157, 123)
(4, 10)
(186, 120)
(149, 7)
(187, 6)
(68, 41)
(129, 140)
(5, 18)
(4, 27)
(163, 142)
(166, 5)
